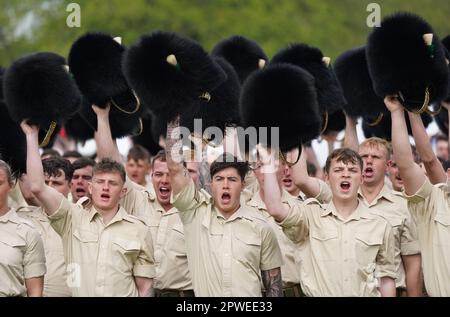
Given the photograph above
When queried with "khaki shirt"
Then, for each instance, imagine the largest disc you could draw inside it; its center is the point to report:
(394, 209)
(226, 256)
(55, 281)
(431, 211)
(103, 259)
(21, 254)
(172, 271)
(340, 257)
(290, 269)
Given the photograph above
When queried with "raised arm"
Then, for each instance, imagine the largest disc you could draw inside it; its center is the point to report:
(272, 190)
(48, 197)
(434, 168)
(106, 145)
(351, 136)
(179, 175)
(412, 175)
(307, 184)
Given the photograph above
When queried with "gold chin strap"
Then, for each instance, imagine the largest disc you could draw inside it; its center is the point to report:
(138, 105)
(325, 120)
(426, 101)
(290, 164)
(207, 142)
(377, 120)
(141, 127)
(48, 135)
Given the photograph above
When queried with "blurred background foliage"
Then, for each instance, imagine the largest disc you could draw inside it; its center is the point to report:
(334, 26)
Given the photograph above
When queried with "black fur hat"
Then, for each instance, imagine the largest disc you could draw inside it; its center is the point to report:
(384, 129)
(169, 73)
(401, 62)
(243, 54)
(336, 122)
(446, 43)
(353, 75)
(284, 96)
(95, 61)
(78, 128)
(223, 108)
(38, 87)
(13, 148)
(158, 127)
(329, 93)
(146, 138)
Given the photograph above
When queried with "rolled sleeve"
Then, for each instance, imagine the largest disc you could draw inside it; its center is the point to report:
(145, 264)
(295, 225)
(34, 258)
(325, 195)
(385, 258)
(422, 193)
(270, 250)
(61, 220)
(409, 240)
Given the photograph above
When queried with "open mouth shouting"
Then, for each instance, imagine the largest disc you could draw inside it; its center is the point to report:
(105, 197)
(368, 172)
(164, 192)
(80, 192)
(345, 186)
(225, 198)
(287, 182)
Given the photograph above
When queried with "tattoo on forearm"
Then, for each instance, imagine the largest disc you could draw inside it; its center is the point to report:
(173, 142)
(272, 282)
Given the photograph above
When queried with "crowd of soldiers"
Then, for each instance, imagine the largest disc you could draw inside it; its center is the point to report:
(374, 221)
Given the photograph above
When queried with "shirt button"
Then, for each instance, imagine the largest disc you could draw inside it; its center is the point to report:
(345, 260)
(345, 241)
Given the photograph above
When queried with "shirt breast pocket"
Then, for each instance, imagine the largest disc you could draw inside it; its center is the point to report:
(367, 248)
(12, 249)
(85, 246)
(247, 248)
(442, 222)
(125, 252)
(325, 244)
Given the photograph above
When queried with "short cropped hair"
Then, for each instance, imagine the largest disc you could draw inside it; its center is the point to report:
(82, 162)
(378, 142)
(54, 165)
(227, 160)
(107, 165)
(138, 152)
(75, 154)
(344, 155)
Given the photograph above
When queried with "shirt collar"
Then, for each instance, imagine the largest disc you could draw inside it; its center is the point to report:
(120, 215)
(360, 212)
(257, 202)
(11, 215)
(384, 193)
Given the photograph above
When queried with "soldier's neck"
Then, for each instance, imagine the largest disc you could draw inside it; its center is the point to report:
(4, 208)
(345, 208)
(370, 192)
(107, 215)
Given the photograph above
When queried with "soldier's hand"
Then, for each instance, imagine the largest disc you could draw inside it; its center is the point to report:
(101, 112)
(392, 103)
(268, 159)
(28, 129)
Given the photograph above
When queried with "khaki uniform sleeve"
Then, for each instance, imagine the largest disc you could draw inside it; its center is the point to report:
(135, 200)
(296, 225)
(61, 220)
(325, 195)
(34, 257)
(270, 250)
(187, 201)
(385, 265)
(422, 204)
(145, 263)
(409, 241)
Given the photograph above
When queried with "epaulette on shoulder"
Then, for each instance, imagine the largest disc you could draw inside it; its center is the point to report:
(133, 219)
(312, 201)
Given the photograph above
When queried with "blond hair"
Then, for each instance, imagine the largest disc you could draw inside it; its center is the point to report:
(378, 142)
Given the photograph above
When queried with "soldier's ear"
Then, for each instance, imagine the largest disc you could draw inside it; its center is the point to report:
(90, 188)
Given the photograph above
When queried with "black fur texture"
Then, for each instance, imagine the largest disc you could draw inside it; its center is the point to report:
(336, 122)
(223, 108)
(399, 61)
(329, 92)
(146, 139)
(242, 53)
(283, 96)
(38, 88)
(95, 62)
(166, 89)
(353, 75)
(441, 120)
